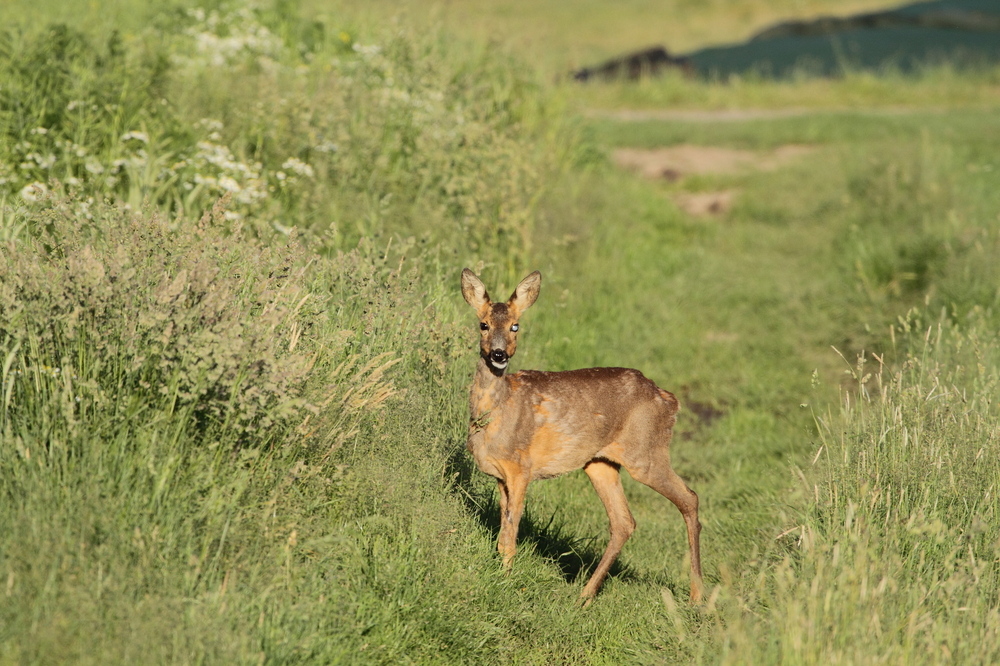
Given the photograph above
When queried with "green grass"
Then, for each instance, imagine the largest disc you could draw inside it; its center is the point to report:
(940, 89)
(233, 425)
(560, 37)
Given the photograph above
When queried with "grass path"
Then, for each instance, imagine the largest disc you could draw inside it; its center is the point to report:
(742, 114)
(724, 313)
(737, 314)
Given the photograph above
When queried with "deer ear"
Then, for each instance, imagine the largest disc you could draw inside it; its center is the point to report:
(526, 293)
(474, 290)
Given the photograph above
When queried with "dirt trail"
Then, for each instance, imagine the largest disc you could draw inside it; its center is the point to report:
(674, 162)
(739, 115)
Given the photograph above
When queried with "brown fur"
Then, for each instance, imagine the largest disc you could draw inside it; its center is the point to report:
(536, 425)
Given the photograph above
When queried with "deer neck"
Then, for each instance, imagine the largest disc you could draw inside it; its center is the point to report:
(490, 390)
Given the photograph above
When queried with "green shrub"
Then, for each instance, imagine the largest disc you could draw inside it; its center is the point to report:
(348, 140)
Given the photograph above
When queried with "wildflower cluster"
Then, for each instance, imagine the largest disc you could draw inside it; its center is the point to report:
(358, 138)
(226, 36)
(178, 164)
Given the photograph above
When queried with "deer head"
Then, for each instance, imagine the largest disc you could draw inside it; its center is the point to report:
(498, 322)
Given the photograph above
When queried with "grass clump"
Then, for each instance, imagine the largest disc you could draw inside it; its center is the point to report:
(121, 311)
(895, 558)
(187, 410)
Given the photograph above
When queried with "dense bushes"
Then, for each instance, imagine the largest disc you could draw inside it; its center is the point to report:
(120, 310)
(345, 139)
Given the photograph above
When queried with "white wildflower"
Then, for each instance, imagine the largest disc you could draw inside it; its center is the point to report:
(244, 35)
(279, 227)
(298, 166)
(32, 192)
(138, 136)
(254, 190)
(206, 180)
(210, 124)
(229, 184)
(366, 50)
(44, 161)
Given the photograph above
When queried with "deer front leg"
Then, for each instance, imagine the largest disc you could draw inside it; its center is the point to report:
(502, 488)
(512, 492)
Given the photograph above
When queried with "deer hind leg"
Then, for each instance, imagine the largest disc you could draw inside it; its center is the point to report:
(665, 481)
(512, 492)
(608, 484)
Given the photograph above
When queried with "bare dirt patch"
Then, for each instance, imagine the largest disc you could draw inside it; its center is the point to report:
(705, 203)
(675, 162)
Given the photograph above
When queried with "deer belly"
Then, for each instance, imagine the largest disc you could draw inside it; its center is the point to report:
(553, 452)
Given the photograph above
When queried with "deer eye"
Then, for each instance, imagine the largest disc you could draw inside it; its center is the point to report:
(514, 328)
(483, 326)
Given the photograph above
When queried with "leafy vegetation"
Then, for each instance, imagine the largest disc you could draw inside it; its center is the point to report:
(235, 358)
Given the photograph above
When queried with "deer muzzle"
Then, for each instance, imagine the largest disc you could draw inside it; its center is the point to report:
(498, 359)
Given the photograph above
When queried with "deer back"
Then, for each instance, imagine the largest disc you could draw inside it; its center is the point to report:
(547, 423)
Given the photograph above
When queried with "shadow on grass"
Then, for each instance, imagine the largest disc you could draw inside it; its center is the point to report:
(572, 554)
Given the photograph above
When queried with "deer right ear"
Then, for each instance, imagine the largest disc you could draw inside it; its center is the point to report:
(474, 290)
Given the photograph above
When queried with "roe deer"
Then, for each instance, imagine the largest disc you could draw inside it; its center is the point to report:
(536, 425)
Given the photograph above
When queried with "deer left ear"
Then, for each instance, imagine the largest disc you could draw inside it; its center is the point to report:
(526, 293)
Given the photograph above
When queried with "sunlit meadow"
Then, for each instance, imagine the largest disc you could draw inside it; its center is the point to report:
(235, 358)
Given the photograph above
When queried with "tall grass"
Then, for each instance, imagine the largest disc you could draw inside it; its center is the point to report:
(895, 557)
(342, 138)
(207, 308)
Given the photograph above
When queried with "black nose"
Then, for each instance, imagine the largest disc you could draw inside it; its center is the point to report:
(498, 355)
